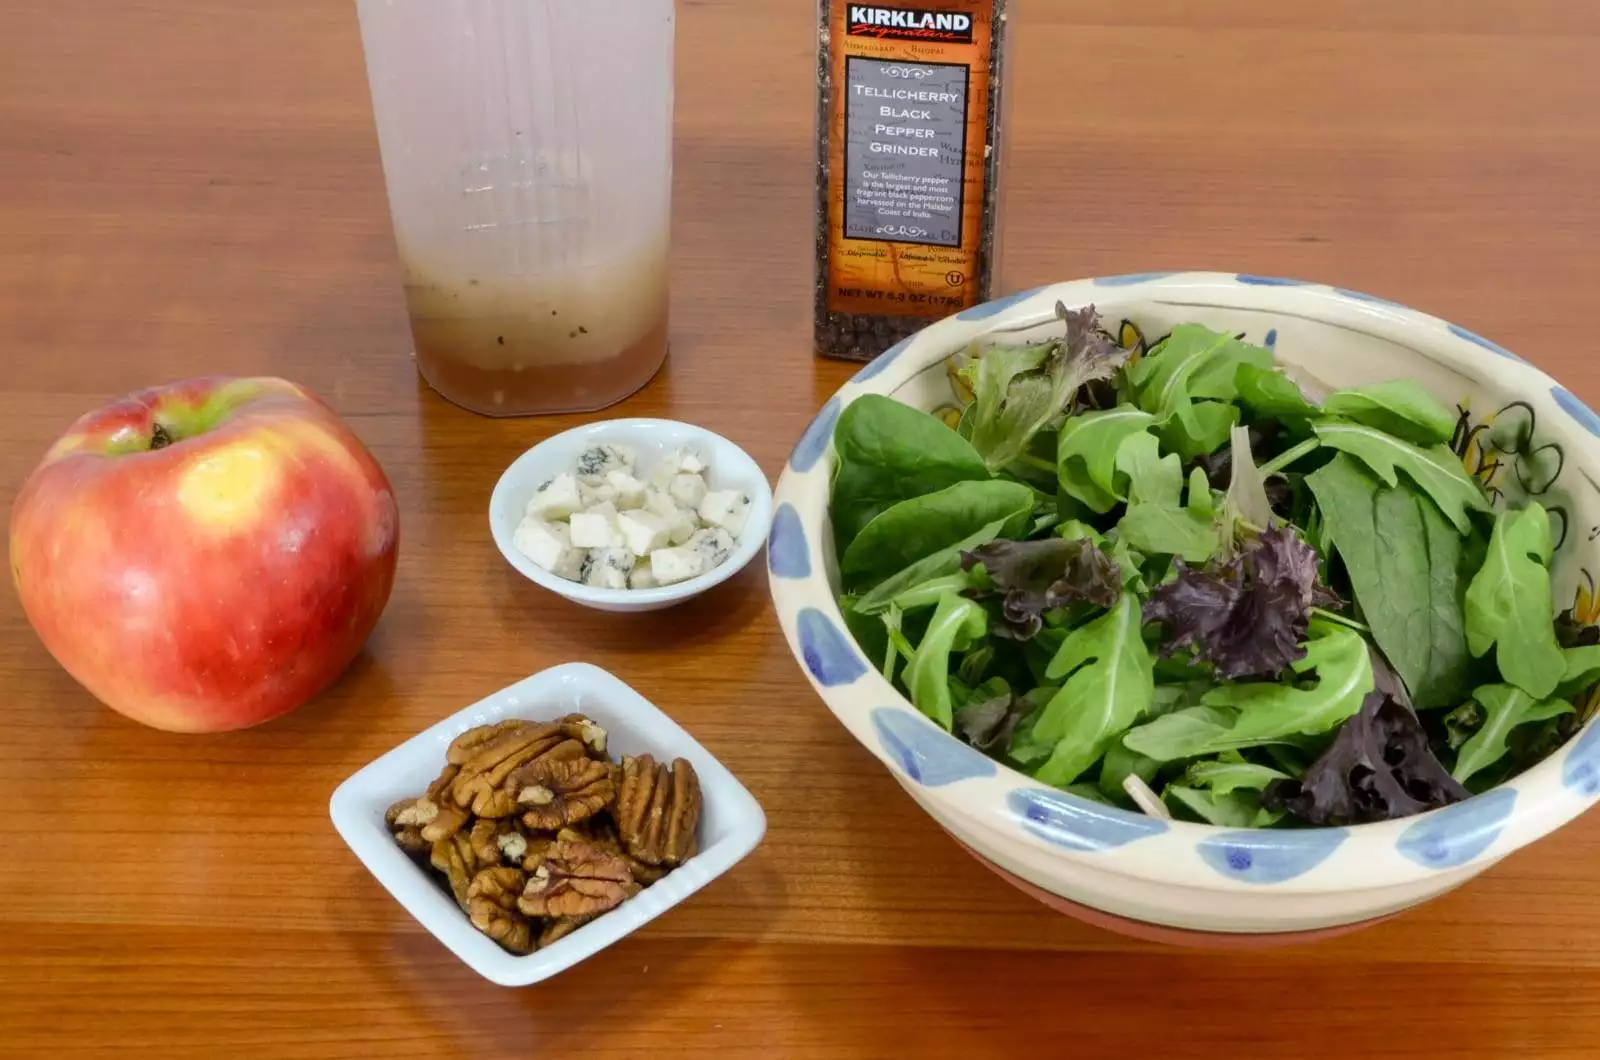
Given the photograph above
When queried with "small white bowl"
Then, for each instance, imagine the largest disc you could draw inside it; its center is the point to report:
(727, 467)
(731, 821)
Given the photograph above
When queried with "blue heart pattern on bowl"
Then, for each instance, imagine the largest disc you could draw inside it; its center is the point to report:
(927, 755)
(830, 655)
(787, 553)
(1269, 857)
(1456, 834)
(1072, 823)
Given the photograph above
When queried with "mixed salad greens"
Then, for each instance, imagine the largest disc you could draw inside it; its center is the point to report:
(1179, 576)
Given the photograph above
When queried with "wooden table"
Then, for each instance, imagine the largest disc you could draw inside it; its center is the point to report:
(192, 186)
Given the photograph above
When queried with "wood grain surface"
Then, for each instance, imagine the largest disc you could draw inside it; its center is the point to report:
(193, 186)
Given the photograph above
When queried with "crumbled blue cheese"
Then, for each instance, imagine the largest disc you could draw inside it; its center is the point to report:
(596, 461)
(687, 491)
(725, 508)
(610, 526)
(556, 499)
(627, 491)
(597, 527)
(608, 568)
(550, 546)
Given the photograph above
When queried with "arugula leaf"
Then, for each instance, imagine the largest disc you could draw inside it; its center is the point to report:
(1189, 532)
(1253, 714)
(889, 452)
(1213, 422)
(1235, 809)
(1224, 776)
(956, 624)
(1272, 395)
(922, 526)
(943, 563)
(1505, 707)
(1582, 670)
(1086, 454)
(1192, 362)
(1437, 471)
(1002, 430)
(1398, 407)
(1405, 564)
(1152, 478)
(1378, 767)
(1509, 607)
(1108, 685)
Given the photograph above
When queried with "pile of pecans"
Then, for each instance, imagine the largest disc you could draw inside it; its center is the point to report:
(535, 831)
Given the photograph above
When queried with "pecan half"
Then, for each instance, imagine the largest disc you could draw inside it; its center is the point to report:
(588, 732)
(576, 879)
(453, 856)
(482, 777)
(658, 810)
(553, 793)
(494, 841)
(492, 907)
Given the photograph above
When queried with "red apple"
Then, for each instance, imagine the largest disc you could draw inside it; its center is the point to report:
(207, 555)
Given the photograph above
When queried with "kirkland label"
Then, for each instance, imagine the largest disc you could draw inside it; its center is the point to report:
(905, 151)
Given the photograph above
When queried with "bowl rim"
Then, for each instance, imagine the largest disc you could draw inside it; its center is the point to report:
(751, 538)
(357, 805)
(988, 795)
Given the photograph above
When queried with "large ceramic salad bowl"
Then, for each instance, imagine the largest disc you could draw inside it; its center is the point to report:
(1129, 866)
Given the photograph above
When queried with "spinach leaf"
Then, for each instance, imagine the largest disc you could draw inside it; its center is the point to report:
(1189, 532)
(923, 526)
(1272, 395)
(1405, 564)
(1086, 454)
(889, 452)
(1252, 714)
(1398, 407)
(956, 624)
(1108, 685)
(1509, 605)
(1437, 471)
(1505, 707)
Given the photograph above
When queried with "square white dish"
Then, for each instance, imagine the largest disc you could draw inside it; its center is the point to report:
(731, 821)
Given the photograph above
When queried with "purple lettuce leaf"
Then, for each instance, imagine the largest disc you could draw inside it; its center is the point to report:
(1246, 616)
(1380, 766)
(1038, 576)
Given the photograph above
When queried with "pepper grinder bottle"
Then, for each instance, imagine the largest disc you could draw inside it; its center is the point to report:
(527, 150)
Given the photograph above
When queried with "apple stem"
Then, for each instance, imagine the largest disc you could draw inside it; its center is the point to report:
(159, 438)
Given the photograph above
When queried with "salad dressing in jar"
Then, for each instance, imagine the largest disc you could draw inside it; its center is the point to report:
(527, 150)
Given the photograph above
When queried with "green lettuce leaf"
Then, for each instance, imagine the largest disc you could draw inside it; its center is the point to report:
(1252, 714)
(1108, 685)
(1404, 561)
(1505, 707)
(1086, 454)
(1436, 471)
(956, 624)
(1398, 407)
(1509, 607)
